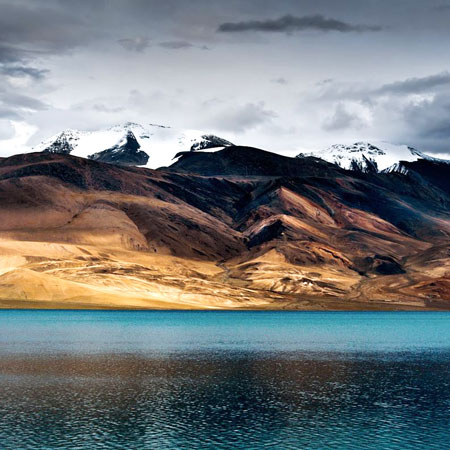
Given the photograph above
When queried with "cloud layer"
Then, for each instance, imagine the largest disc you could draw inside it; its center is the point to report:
(285, 75)
(137, 44)
(289, 24)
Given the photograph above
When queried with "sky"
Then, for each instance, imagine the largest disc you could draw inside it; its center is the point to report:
(283, 75)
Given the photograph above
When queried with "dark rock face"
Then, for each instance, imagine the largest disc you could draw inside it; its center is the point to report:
(433, 172)
(368, 166)
(379, 264)
(125, 153)
(60, 145)
(210, 141)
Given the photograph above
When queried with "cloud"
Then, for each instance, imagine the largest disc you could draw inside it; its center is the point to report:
(6, 129)
(289, 24)
(430, 118)
(7, 112)
(279, 80)
(243, 118)
(14, 105)
(139, 44)
(347, 116)
(324, 82)
(136, 44)
(442, 8)
(328, 90)
(100, 107)
(181, 45)
(10, 54)
(176, 45)
(78, 42)
(28, 30)
(415, 85)
(23, 71)
(21, 101)
(413, 111)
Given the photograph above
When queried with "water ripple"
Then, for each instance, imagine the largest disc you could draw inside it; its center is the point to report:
(137, 403)
(224, 381)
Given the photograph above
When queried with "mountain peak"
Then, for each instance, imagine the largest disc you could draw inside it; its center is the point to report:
(126, 152)
(209, 141)
(126, 126)
(360, 147)
(369, 157)
(63, 142)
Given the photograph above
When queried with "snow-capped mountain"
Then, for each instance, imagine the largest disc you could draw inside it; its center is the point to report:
(371, 157)
(130, 143)
(126, 152)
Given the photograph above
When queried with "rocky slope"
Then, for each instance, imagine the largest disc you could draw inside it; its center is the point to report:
(236, 228)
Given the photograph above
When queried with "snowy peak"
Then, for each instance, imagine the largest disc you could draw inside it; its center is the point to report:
(365, 148)
(128, 140)
(64, 142)
(370, 157)
(126, 152)
(209, 141)
(131, 143)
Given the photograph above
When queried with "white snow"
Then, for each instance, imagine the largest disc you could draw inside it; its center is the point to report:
(160, 142)
(386, 156)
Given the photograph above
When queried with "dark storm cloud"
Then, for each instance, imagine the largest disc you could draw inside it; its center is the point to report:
(430, 119)
(23, 71)
(10, 54)
(37, 28)
(137, 44)
(415, 85)
(289, 23)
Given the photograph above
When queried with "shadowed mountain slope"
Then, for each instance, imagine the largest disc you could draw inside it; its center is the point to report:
(249, 161)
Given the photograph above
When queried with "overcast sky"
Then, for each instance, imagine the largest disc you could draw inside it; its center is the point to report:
(285, 75)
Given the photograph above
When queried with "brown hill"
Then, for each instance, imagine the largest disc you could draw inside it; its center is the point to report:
(239, 228)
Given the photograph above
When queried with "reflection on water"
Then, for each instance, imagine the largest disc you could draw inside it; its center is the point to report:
(220, 396)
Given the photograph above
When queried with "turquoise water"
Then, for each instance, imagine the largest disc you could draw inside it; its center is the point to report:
(219, 380)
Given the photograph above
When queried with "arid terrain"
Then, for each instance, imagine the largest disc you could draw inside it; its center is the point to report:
(239, 228)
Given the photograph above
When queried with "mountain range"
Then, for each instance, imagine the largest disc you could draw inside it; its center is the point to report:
(131, 144)
(221, 227)
(156, 146)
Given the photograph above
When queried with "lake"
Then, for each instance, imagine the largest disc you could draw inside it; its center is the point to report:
(224, 380)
